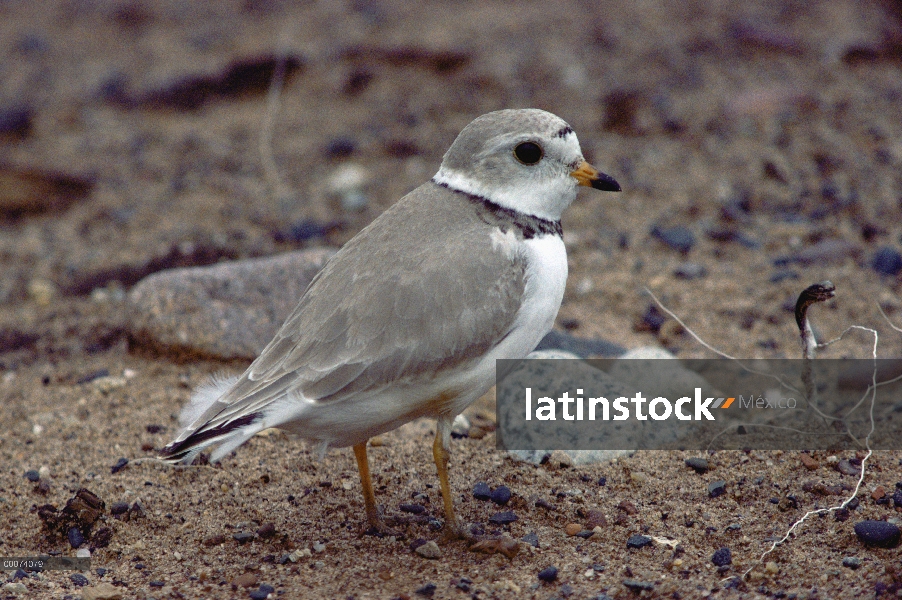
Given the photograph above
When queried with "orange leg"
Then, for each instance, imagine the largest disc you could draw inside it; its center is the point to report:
(369, 497)
(453, 528)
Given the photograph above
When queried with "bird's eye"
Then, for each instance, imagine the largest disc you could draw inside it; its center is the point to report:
(528, 153)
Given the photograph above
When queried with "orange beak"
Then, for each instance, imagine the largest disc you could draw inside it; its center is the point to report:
(588, 176)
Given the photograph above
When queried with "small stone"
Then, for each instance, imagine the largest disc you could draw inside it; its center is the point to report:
(722, 557)
(851, 562)
(427, 590)
(76, 538)
(699, 465)
(120, 464)
(119, 508)
(771, 567)
(887, 261)
(808, 462)
(690, 271)
(481, 491)
(503, 518)
(638, 541)
(79, 580)
(101, 591)
(677, 238)
(245, 580)
(414, 509)
(32, 476)
(628, 507)
(878, 533)
(501, 495)
(845, 467)
(262, 593)
(15, 588)
(503, 545)
(319, 547)
(267, 530)
(878, 493)
(572, 529)
(532, 539)
(19, 574)
(243, 537)
(638, 586)
(560, 459)
(595, 518)
(429, 550)
(897, 497)
(82, 553)
(717, 488)
(548, 574)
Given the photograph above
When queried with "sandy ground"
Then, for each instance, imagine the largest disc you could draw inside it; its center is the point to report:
(770, 131)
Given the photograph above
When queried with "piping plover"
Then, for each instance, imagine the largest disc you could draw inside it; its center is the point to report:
(408, 318)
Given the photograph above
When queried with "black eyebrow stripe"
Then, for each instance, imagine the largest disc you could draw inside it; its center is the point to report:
(566, 130)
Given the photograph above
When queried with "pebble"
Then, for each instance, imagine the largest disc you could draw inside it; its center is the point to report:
(16, 121)
(243, 537)
(771, 567)
(878, 493)
(120, 464)
(101, 591)
(572, 529)
(717, 488)
(245, 580)
(427, 590)
(414, 509)
(19, 574)
(845, 467)
(262, 593)
(532, 539)
(897, 497)
(581, 347)
(267, 530)
(319, 547)
(119, 508)
(690, 271)
(548, 574)
(809, 463)
(15, 588)
(429, 550)
(481, 491)
(677, 238)
(699, 465)
(32, 476)
(638, 586)
(722, 557)
(79, 580)
(230, 310)
(595, 518)
(503, 518)
(501, 495)
(851, 562)
(76, 538)
(638, 541)
(887, 261)
(878, 533)
(628, 507)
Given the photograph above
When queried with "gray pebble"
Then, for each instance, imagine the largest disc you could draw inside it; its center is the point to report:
(678, 238)
(699, 465)
(503, 518)
(887, 261)
(229, 310)
(638, 586)
(548, 574)
(722, 557)
(79, 580)
(501, 495)
(690, 271)
(429, 550)
(583, 347)
(851, 562)
(32, 476)
(481, 491)
(717, 488)
(532, 539)
(243, 537)
(638, 541)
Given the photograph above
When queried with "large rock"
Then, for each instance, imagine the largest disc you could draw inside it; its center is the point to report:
(228, 311)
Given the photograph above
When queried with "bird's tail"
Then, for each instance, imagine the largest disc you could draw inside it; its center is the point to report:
(200, 428)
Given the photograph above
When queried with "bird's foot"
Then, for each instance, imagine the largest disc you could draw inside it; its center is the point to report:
(455, 530)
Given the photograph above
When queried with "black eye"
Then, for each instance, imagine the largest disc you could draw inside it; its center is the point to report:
(528, 153)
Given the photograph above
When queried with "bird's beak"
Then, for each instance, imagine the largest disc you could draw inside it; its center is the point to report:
(589, 176)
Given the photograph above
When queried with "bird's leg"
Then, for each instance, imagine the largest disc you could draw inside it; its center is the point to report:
(453, 527)
(377, 527)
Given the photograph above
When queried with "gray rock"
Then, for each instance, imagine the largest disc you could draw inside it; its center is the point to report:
(229, 310)
(429, 550)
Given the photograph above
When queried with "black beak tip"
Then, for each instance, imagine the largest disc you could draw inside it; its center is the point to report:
(606, 183)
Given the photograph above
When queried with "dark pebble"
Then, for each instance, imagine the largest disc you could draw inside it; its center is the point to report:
(414, 509)
(678, 238)
(717, 488)
(243, 537)
(79, 580)
(842, 514)
(503, 518)
(847, 468)
(340, 148)
(101, 538)
(602, 481)
(699, 465)
(878, 533)
(532, 539)
(652, 320)
(93, 375)
(638, 586)
(140, 566)
(100, 571)
(501, 495)
(887, 261)
(120, 464)
(156, 584)
(304, 231)
(548, 574)
(262, 592)
(267, 530)
(585, 534)
(897, 498)
(16, 121)
(416, 544)
(481, 491)
(566, 590)
(638, 541)
(584, 347)
(19, 574)
(76, 539)
(690, 271)
(32, 476)
(155, 428)
(137, 511)
(427, 590)
(722, 557)
(118, 508)
(853, 503)
(852, 562)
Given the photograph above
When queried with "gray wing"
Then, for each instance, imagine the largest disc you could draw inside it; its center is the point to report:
(420, 290)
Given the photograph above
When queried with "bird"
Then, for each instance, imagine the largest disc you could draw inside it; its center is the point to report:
(407, 319)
